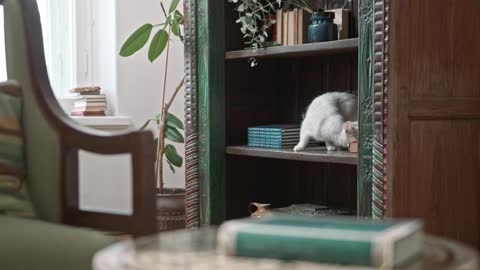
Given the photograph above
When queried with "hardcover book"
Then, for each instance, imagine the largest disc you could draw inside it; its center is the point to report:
(279, 26)
(333, 240)
(302, 30)
(276, 128)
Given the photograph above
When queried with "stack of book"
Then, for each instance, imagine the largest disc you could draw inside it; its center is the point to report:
(274, 136)
(89, 103)
(292, 27)
(328, 240)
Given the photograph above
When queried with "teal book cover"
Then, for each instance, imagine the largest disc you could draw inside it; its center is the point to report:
(332, 240)
(278, 129)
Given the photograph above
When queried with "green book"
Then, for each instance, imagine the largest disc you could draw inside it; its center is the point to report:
(276, 129)
(332, 240)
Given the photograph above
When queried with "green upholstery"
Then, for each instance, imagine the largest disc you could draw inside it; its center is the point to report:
(13, 197)
(41, 141)
(31, 244)
(39, 244)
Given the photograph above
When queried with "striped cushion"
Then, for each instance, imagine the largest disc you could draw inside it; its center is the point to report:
(13, 197)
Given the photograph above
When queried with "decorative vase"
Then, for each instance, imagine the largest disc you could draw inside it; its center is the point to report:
(322, 28)
(259, 210)
(171, 209)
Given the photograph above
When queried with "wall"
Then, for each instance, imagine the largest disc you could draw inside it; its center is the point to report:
(138, 85)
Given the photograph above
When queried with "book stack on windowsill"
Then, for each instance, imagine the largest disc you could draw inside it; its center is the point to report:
(89, 103)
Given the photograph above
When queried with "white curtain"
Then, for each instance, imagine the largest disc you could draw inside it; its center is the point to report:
(58, 22)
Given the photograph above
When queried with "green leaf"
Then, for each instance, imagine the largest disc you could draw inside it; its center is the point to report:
(173, 135)
(137, 40)
(174, 121)
(175, 28)
(173, 6)
(171, 166)
(159, 42)
(178, 17)
(146, 124)
(172, 156)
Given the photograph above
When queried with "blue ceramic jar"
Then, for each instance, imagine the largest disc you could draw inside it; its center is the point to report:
(322, 28)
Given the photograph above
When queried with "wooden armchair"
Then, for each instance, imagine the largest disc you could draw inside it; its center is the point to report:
(52, 142)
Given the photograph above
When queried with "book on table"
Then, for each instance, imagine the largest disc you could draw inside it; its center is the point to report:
(331, 240)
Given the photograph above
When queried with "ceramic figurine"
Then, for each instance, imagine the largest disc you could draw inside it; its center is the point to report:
(259, 210)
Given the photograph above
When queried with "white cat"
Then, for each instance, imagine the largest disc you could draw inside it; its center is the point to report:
(329, 119)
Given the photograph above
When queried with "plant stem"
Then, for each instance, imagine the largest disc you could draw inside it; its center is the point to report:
(174, 95)
(161, 131)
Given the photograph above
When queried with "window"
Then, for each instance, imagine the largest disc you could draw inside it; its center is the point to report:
(77, 47)
(58, 24)
(3, 60)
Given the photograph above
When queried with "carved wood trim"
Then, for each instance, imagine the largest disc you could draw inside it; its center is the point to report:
(380, 108)
(192, 182)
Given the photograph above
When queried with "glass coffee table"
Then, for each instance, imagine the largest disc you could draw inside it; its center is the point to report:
(196, 250)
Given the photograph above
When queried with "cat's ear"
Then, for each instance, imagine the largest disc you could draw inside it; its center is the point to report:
(347, 126)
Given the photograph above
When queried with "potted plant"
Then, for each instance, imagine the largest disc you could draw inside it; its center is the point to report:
(170, 202)
(255, 19)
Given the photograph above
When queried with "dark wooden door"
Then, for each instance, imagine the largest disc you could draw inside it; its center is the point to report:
(434, 115)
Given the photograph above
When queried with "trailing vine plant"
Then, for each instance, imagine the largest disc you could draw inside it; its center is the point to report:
(255, 18)
(168, 124)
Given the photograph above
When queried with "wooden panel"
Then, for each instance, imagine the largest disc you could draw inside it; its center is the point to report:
(445, 108)
(443, 182)
(445, 37)
(434, 119)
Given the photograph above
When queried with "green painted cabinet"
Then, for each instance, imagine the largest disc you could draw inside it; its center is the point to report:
(224, 96)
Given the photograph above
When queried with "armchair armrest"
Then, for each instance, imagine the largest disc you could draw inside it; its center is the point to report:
(140, 145)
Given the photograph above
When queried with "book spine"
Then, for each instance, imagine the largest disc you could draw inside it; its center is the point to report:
(270, 143)
(291, 28)
(285, 28)
(263, 241)
(303, 21)
(272, 134)
(278, 130)
(279, 26)
(273, 139)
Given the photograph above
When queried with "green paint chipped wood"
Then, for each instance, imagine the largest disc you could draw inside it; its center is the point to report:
(211, 109)
(365, 68)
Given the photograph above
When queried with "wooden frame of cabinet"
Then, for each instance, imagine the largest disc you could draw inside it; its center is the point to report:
(205, 107)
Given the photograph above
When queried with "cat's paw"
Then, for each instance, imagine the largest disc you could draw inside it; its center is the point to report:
(297, 148)
(331, 148)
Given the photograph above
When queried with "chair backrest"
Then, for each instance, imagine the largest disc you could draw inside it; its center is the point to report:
(42, 142)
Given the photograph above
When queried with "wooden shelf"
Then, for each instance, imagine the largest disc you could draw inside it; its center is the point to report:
(329, 47)
(313, 154)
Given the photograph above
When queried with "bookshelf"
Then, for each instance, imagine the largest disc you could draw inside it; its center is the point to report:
(278, 91)
(233, 96)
